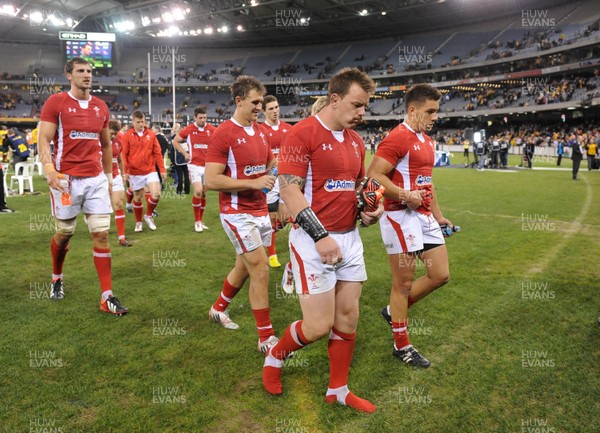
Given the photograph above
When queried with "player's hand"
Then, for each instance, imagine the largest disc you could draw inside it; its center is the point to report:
(441, 221)
(415, 198)
(125, 178)
(187, 157)
(329, 250)
(370, 218)
(163, 176)
(264, 182)
(54, 181)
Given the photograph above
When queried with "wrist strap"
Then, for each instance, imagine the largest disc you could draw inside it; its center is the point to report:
(309, 222)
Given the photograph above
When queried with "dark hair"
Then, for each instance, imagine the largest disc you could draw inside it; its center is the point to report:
(419, 93)
(341, 82)
(243, 85)
(269, 99)
(71, 64)
(137, 114)
(114, 125)
(201, 109)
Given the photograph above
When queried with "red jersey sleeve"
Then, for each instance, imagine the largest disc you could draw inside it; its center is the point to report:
(392, 148)
(50, 110)
(185, 132)
(218, 150)
(107, 114)
(125, 151)
(294, 154)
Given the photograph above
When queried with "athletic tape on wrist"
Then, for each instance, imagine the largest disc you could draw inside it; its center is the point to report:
(309, 222)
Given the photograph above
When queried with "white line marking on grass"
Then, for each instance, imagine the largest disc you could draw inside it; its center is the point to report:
(573, 229)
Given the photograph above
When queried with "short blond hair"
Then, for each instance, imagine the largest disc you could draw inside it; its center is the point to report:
(318, 105)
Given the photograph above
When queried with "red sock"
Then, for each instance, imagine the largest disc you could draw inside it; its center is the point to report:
(346, 398)
(202, 207)
(196, 203)
(58, 258)
(400, 334)
(271, 250)
(278, 225)
(341, 348)
(103, 260)
(151, 205)
(138, 211)
(264, 327)
(120, 223)
(129, 194)
(292, 339)
(226, 296)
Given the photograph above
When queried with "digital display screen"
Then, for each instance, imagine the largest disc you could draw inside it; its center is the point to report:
(99, 54)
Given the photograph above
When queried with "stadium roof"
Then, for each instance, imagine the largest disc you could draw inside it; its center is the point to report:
(260, 22)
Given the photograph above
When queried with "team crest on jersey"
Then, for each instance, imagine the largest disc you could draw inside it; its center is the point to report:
(264, 140)
(355, 146)
(423, 180)
(332, 185)
(249, 170)
(313, 280)
(97, 110)
(83, 135)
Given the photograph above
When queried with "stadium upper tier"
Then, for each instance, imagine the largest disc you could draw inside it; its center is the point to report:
(486, 42)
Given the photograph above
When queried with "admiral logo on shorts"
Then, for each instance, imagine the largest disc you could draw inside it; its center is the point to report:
(84, 135)
(332, 185)
(249, 170)
(423, 180)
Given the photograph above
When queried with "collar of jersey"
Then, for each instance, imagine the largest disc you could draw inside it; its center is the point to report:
(79, 100)
(340, 133)
(200, 129)
(244, 127)
(82, 103)
(418, 134)
(273, 127)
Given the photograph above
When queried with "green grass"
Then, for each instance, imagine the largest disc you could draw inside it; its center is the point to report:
(110, 374)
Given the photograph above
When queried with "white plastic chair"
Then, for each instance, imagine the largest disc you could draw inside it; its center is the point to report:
(5, 166)
(22, 174)
(38, 164)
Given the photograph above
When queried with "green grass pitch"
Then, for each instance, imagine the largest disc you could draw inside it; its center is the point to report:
(513, 337)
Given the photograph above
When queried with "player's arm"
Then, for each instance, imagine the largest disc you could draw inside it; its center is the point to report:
(45, 136)
(379, 170)
(121, 167)
(216, 180)
(177, 145)
(436, 211)
(106, 148)
(272, 163)
(290, 191)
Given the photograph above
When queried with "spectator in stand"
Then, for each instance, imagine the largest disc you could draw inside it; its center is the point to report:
(592, 151)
